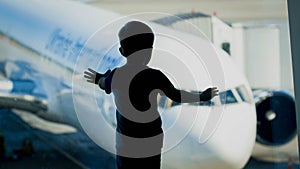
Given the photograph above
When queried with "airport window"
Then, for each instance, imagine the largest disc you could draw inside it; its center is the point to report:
(52, 117)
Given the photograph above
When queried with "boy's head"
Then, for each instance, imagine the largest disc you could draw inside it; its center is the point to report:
(135, 36)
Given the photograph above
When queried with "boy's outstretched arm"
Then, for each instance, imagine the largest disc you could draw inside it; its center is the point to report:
(93, 77)
(209, 93)
(183, 96)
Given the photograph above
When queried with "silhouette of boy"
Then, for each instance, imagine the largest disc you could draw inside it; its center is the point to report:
(135, 86)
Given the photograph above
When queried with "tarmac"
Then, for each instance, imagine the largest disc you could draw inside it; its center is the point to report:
(51, 151)
(73, 150)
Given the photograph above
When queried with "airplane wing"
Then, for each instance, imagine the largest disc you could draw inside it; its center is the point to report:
(24, 88)
(23, 102)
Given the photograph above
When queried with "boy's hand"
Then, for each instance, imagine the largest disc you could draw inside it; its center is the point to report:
(93, 77)
(208, 94)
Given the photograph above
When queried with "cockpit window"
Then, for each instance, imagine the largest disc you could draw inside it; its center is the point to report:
(207, 103)
(243, 93)
(227, 97)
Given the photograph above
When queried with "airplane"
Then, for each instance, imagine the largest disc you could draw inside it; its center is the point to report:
(47, 45)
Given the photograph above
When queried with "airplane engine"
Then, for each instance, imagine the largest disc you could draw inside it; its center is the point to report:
(276, 117)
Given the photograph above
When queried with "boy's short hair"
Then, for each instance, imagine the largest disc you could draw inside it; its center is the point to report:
(135, 36)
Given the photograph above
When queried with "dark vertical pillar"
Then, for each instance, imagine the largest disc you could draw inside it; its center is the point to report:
(294, 22)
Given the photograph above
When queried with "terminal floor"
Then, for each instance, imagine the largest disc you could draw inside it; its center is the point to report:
(67, 151)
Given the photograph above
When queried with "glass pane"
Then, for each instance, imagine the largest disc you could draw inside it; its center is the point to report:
(50, 117)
